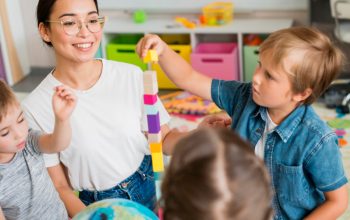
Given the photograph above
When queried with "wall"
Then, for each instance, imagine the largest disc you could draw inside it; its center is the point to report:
(39, 54)
(42, 56)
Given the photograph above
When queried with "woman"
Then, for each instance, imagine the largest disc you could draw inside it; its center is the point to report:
(107, 157)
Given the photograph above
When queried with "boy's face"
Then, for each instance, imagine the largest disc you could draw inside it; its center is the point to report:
(271, 86)
(13, 131)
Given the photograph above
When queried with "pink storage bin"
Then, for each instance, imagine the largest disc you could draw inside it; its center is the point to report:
(216, 60)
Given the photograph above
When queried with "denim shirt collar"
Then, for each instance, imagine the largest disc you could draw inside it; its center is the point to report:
(287, 127)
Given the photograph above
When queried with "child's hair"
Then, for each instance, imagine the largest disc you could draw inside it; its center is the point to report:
(214, 174)
(7, 99)
(318, 64)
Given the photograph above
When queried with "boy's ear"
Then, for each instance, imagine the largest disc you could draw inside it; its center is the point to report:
(43, 31)
(299, 97)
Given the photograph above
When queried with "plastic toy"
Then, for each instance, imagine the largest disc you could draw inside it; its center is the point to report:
(333, 97)
(185, 22)
(218, 13)
(139, 16)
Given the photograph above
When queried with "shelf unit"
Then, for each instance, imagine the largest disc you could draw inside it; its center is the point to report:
(234, 31)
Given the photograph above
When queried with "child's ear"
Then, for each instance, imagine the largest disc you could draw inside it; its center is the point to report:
(299, 97)
(43, 31)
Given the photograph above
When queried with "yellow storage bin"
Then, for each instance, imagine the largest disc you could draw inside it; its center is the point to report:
(163, 82)
(180, 43)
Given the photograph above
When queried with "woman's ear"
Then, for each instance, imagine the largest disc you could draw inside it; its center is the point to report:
(43, 31)
(300, 97)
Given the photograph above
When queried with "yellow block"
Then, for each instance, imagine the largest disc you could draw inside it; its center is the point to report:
(151, 56)
(157, 162)
(156, 147)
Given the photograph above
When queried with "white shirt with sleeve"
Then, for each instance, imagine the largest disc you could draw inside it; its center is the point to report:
(107, 141)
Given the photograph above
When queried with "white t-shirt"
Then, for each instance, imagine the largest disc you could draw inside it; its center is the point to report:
(260, 146)
(107, 141)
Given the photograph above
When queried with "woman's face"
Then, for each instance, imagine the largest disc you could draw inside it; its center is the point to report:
(80, 46)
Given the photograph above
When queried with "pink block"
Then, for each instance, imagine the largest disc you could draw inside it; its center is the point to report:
(216, 60)
(149, 99)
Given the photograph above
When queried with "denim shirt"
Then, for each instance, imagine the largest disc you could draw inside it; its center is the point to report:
(301, 154)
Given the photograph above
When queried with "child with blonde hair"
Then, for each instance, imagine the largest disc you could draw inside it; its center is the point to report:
(26, 190)
(214, 174)
(273, 112)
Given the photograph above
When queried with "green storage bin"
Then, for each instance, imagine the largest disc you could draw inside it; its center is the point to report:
(122, 48)
(250, 61)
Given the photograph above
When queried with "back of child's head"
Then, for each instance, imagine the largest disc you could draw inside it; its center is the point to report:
(318, 63)
(214, 174)
(7, 99)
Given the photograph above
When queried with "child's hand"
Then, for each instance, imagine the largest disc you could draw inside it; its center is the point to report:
(150, 41)
(63, 102)
(216, 121)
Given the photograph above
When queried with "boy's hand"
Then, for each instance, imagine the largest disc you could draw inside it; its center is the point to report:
(63, 102)
(150, 41)
(216, 121)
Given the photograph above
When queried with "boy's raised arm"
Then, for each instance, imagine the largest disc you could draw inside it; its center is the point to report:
(176, 68)
(63, 103)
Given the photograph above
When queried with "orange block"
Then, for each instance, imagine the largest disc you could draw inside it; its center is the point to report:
(156, 147)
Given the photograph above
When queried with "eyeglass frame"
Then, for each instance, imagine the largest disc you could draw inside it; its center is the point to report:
(102, 20)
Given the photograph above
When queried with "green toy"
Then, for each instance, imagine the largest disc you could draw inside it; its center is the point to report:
(139, 16)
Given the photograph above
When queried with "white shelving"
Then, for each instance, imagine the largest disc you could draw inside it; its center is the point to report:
(232, 31)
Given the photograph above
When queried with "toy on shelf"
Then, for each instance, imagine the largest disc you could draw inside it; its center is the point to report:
(154, 133)
(252, 40)
(139, 16)
(185, 22)
(217, 13)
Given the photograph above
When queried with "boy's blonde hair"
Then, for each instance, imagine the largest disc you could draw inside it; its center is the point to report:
(7, 99)
(319, 61)
(214, 174)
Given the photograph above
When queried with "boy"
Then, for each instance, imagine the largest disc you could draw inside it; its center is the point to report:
(26, 190)
(273, 112)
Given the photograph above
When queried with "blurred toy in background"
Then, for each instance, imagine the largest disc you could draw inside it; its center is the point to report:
(185, 22)
(252, 40)
(217, 13)
(344, 108)
(139, 16)
(335, 95)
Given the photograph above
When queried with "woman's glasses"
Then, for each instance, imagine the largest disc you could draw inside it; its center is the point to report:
(72, 26)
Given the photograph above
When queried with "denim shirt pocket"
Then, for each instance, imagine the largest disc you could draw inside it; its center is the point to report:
(292, 185)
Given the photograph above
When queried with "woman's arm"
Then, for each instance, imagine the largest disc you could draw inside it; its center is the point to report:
(73, 204)
(335, 205)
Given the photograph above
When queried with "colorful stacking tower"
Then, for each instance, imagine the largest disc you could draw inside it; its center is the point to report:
(154, 133)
